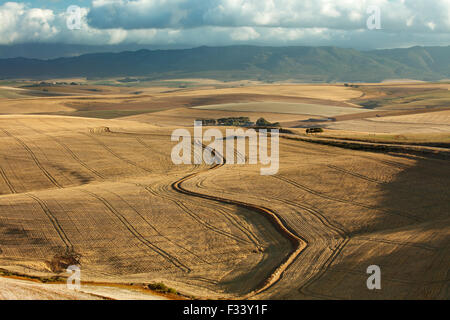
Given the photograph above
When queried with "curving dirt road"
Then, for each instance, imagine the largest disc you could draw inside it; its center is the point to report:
(298, 243)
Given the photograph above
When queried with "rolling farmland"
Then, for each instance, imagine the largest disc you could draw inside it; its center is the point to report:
(103, 193)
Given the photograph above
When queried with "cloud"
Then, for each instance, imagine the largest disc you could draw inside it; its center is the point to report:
(343, 14)
(20, 24)
(226, 22)
(244, 34)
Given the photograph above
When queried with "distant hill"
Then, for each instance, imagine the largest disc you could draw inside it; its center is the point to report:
(321, 64)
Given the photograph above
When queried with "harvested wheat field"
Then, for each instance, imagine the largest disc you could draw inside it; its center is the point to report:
(105, 194)
(332, 92)
(429, 118)
(292, 108)
(81, 189)
(393, 125)
(353, 209)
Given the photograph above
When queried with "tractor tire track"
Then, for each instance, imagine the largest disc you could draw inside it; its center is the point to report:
(157, 231)
(8, 183)
(299, 244)
(249, 233)
(358, 204)
(136, 233)
(68, 150)
(194, 216)
(63, 236)
(35, 159)
(401, 243)
(145, 145)
(304, 289)
(245, 230)
(335, 252)
(128, 161)
(324, 220)
(337, 149)
(389, 163)
(354, 174)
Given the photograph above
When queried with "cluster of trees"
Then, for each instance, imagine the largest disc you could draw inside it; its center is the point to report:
(261, 122)
(53, 83)
(314, 130)
(207, 122)
(231, 121)
(235, 121)
(238, 122)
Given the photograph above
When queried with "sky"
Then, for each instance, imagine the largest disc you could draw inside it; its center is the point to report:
(360, 24)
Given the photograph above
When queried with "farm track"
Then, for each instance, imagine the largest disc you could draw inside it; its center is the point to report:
(335, 252)
(338, 230)
(251, 235)
(137, 234)
(299, 243)
(193, 215)
(305, 289)
(35, 159)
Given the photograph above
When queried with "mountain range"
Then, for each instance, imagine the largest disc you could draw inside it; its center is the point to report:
(309, 64)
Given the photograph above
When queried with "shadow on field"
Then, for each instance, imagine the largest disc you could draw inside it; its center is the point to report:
(80, 177)
(13, 235)
(414, 255)
(422, 190)
(264, 261)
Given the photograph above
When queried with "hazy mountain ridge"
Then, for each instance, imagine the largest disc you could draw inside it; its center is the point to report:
(322, 64)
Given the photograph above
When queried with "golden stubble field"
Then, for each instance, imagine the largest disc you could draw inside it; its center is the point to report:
(109, 200)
